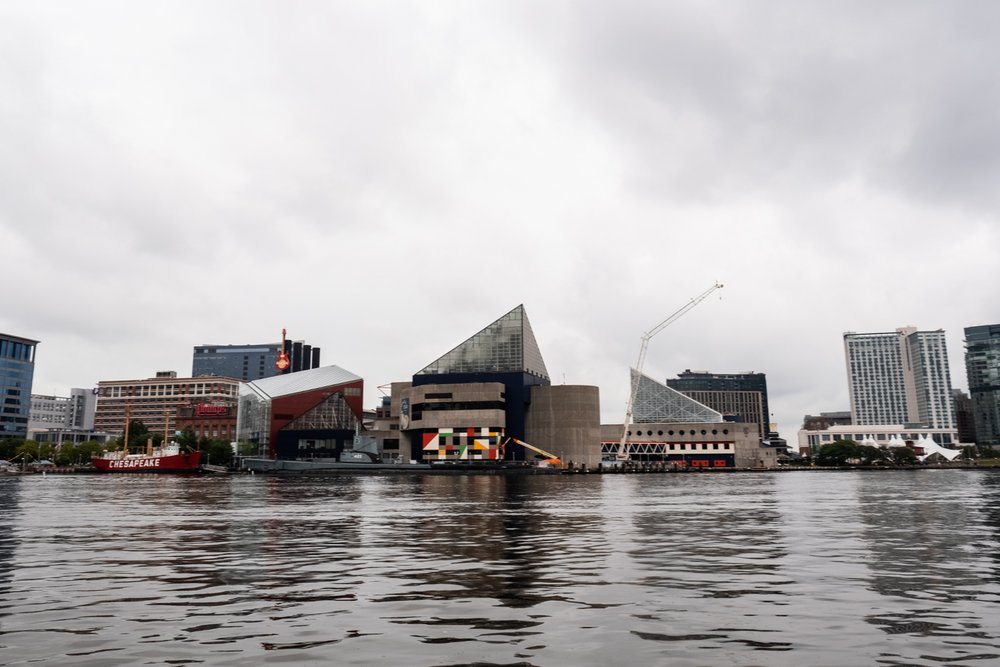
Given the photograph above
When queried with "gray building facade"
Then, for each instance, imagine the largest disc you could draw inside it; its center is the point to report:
(64, 413)
(740, 395)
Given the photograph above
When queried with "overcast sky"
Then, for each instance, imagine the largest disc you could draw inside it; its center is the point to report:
(384, 179)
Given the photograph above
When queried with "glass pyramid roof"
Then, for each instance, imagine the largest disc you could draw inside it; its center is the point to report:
(505, 346)
(656, 403)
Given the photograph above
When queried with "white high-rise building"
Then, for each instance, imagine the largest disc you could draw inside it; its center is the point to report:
(899, 377)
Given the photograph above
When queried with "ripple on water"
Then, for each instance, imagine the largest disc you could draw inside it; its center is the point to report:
(803, 568)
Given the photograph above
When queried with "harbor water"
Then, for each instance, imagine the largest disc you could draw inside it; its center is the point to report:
(791, 568)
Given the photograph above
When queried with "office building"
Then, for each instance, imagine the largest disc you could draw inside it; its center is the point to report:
(899, 377)
(742, 396)
(964, 417)
(64, 418)
(252, 362)
(17, 370)
(157, 401)
(205, 420)
(982, 367)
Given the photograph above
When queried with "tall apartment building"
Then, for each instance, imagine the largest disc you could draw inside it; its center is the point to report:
(17, 370)
(252, 362)
(158, 402)
(899, 377)
(982, 367)
(741, 395)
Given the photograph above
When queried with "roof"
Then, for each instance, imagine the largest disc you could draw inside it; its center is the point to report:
(656, 403)
(302, 381)
(19, 339)
(507, 345)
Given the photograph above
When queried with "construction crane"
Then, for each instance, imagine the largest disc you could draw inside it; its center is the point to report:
(622, 452)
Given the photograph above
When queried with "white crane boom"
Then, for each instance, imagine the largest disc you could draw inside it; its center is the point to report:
(673, 317)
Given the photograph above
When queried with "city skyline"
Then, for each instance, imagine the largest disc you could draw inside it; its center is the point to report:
(611, 417)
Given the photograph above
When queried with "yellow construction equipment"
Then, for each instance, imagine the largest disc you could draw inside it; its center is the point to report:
(550, 458)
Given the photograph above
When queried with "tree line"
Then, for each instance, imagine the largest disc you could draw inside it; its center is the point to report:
(68, 453)
(849, 452)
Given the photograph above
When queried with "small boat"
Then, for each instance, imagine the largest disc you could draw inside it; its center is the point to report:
(160, 459)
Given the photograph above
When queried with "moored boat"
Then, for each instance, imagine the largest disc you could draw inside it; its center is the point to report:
(166, 458)
(163, 459)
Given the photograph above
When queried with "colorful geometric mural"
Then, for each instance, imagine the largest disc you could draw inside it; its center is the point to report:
(463, 444)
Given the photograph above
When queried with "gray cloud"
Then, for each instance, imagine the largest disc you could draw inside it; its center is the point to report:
(383, 180)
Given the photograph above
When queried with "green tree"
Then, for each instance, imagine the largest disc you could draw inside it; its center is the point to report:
(247, 448)
(30, 451)
(216, 452)
(64, 454)
(85, 451)
(902, 455)
(8, 447)
(187, 438)
(839, 453)
(138, 434)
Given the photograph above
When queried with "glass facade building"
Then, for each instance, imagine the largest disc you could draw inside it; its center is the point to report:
(657, 403)
(507, 345)
(252, 362)
(982, 367)
(17, 369)
(481, 392)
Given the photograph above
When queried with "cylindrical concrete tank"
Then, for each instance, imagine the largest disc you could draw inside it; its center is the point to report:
(566, 420)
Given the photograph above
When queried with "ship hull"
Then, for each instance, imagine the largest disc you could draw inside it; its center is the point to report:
(174, 463)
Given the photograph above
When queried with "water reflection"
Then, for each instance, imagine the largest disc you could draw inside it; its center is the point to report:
(988, 506)
(922, 532)
(10, 493)
(801, 568)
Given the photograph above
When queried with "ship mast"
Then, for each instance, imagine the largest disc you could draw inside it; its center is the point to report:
(128, 418)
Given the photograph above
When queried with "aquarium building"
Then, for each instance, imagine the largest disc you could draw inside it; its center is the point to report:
(491, 390)
(308, 415)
